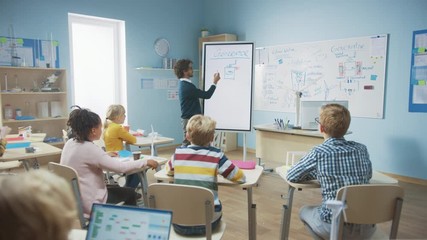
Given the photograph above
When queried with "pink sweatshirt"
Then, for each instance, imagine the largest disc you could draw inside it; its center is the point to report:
(89, 161)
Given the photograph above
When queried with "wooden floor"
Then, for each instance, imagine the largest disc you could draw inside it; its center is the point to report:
(267, 197)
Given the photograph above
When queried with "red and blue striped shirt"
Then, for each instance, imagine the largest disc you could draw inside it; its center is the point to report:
(199, 166)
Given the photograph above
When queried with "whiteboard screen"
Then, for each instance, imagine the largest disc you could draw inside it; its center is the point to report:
(231, 104)
(346, 69)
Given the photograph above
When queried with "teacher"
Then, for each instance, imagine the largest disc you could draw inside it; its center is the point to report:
(189, 94)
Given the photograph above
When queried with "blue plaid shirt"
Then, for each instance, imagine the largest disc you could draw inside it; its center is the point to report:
(335, 163)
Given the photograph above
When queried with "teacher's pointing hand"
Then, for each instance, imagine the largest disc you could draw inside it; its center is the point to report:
(216, 78)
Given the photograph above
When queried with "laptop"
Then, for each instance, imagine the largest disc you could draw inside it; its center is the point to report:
(311, 110)
(126, 222)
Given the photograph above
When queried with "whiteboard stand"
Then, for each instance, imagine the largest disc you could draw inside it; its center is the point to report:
(298, 95)
(244, 146)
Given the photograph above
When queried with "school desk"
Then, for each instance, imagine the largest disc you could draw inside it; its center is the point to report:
(272, 144)
(42, 150)
(147, 141)
(377, 178)
(252, 177)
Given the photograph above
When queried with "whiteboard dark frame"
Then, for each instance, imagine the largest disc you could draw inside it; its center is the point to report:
(246, 127)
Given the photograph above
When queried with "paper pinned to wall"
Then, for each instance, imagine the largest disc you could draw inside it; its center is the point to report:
(417, 86)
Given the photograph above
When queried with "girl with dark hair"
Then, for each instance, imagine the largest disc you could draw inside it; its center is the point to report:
(89, 160)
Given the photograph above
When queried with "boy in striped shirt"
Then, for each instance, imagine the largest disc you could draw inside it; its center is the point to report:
(199, 163)
(335, 163)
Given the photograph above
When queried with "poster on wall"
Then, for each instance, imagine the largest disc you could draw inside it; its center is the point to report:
(418, 86)
(346, 69)
(24, 52)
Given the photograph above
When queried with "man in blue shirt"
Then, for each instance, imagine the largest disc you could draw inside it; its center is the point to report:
(189, 94)
(335, 163)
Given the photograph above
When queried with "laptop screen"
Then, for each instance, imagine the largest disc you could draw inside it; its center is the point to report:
(124, 222)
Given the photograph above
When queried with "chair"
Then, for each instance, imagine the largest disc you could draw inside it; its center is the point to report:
(190, 205)
(372, 204)
(69, 174)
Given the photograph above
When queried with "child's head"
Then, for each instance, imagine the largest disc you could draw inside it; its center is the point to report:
(85, 125)
(335, 120)
(36, 205)
(116, 113)
(201, 130)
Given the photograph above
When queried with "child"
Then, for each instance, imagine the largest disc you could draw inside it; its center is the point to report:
(36, 205)
(198, 164)
(335, 163)
(89, 160)
(115, 134)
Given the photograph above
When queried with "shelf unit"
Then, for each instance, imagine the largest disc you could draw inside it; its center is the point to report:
(29, 80)
(228, 139)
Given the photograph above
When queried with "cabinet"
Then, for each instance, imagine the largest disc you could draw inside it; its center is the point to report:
(228, 140)
(24, 91)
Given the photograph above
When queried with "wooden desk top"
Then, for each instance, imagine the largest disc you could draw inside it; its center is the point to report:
(252, 177)
(159, 160)
(272, 128)
(146, 141)
(377, 178)
(283, 171)
(35, 137)
(42, 150)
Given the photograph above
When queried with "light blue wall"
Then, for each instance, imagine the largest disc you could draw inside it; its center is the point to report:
(397, 143)
(146, 20)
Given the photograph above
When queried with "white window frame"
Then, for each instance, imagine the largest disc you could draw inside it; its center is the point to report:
(120, 80)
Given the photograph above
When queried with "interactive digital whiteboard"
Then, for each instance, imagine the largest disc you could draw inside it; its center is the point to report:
(231, 104)
(350, 69)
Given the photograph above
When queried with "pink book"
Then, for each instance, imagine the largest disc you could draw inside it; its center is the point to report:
(244, 164)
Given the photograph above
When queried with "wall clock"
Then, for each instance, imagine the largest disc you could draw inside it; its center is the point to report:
(161, 47)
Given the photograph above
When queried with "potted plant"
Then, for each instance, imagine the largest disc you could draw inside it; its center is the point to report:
(204, 32)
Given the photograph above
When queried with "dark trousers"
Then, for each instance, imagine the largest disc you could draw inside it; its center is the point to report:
(118, 194)
(184, 122)
(132, 180)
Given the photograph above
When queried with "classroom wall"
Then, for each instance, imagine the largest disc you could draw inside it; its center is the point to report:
(145, 20)
(397, 143)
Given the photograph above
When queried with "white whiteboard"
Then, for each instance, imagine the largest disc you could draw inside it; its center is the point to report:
(346, 69)
(231, 104)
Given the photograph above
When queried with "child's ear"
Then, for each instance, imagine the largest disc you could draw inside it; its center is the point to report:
(321, 129)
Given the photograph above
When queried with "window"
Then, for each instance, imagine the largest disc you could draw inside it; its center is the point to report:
(98, 62)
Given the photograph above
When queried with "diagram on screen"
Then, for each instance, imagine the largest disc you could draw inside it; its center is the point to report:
(298, 79)
(230, 71)
(349, 75)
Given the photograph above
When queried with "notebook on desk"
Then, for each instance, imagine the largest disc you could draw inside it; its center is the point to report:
(126, 222)
(244, 164)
